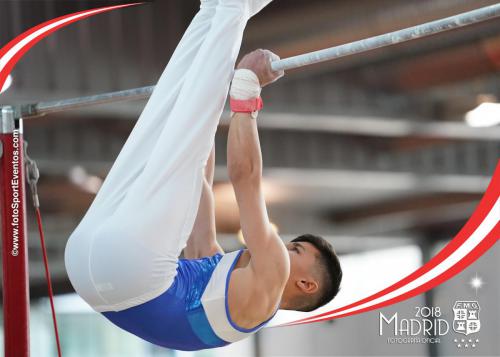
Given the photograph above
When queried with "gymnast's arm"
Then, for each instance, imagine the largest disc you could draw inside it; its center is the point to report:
(269, 264)
(202, 241)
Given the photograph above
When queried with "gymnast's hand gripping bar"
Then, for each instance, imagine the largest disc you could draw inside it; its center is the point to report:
(391, 38)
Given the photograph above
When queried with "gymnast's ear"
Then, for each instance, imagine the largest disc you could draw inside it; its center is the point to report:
(307, 286)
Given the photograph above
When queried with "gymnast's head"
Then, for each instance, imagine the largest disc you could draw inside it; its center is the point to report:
(315, 274)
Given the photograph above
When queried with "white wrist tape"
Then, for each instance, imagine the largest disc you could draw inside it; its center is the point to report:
(245, 85)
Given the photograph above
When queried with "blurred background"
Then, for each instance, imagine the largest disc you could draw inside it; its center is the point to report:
(386, 154)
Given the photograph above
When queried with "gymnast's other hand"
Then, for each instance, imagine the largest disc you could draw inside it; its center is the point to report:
(259, 62)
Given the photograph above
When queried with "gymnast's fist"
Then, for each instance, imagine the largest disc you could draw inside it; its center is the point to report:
(259, 62)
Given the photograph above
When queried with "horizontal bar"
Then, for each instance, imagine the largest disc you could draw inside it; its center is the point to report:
(42, 108)
(419, 31)
(388, 39)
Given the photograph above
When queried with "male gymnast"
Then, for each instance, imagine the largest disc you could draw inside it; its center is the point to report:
(123, 258)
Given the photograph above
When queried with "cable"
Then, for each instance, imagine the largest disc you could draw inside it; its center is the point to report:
(32, 176)
(47, 277)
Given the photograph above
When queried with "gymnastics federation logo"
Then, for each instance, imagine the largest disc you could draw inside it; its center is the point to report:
(428, 325)
(466, 317)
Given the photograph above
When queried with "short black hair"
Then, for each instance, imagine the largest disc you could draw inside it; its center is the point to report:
(330, 271)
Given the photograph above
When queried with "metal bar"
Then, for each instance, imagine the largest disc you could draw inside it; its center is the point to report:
(14, 243)
(43, 108)
(328, 54)
(391, 38)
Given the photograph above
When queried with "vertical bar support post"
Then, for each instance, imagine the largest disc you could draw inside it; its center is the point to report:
(15, 282)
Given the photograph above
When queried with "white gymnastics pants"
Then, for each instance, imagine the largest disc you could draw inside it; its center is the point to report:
(125, 250)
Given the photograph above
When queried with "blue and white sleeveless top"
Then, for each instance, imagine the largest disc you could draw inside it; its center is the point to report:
(193, 313)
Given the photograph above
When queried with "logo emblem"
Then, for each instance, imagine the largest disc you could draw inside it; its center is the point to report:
(466, 317)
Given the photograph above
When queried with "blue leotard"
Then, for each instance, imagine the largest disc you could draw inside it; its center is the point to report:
(193, 313)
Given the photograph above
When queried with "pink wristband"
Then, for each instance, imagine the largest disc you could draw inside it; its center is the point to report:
(246, 106)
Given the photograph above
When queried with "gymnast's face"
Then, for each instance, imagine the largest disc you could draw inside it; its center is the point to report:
(303, 267)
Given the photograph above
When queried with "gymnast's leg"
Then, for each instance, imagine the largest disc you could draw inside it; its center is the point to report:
(134, 253)
(136, 151)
